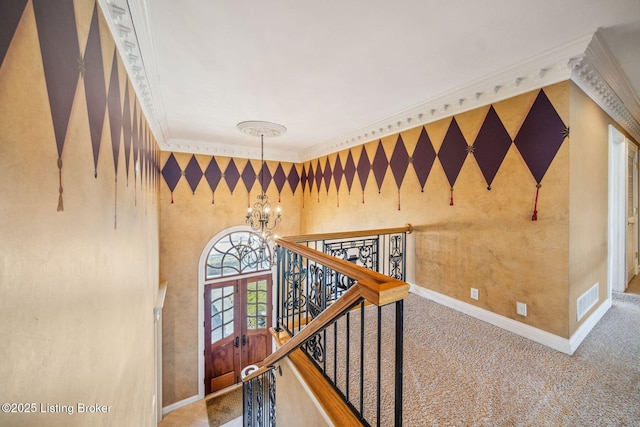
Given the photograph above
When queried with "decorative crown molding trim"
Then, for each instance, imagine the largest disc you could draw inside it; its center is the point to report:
(598, 74)
(547, 68)
(127, 38)
(229, 150)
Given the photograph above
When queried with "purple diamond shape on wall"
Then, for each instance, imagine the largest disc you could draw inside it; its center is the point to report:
(171, 173)
(380, 165)
(249, 178)
(231, 175)
(95, 88)
(265, 177)
(491, 146)
(423, 157)
(311, 178)
(363, 169)
(318, 177)
(9, 20)
(539, 139)
(193, 173)
(126, 129)
(303, 179)
(135, 143)
(327, 175)
(399, 163)
(540, 136)
(337, 176)
(294, 179)
(61, 61)
(213, 175)
(349, 171)
(452, 154)
(279, 178)
(115, 114)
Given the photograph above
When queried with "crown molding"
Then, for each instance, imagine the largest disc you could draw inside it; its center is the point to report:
(229, 150)
(547, 68)
(599, 75)
(131, 41)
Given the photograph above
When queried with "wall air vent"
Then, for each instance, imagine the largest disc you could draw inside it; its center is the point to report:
(587, 300)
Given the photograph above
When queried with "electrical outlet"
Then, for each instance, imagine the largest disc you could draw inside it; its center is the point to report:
(474, 293)
(521, 308)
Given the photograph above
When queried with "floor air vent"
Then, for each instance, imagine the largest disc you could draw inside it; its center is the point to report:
(587, 300)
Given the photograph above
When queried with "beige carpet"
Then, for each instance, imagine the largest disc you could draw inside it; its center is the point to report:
(224, 408)
(460, 371)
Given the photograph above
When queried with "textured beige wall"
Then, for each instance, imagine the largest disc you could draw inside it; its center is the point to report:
(76, 294)
(186, 226)
(588, 228)
(487, 239)
(294, 407)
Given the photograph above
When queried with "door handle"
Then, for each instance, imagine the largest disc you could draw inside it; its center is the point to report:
(244, 340)
(237, 342)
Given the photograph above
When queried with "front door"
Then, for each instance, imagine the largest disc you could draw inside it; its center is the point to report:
(237, 322)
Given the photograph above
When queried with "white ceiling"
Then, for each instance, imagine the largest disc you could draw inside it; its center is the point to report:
(339, 73)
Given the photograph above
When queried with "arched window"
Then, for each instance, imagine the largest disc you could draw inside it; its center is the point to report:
(238, 252)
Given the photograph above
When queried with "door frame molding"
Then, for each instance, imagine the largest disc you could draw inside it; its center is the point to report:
(201, 284)
(617, 213)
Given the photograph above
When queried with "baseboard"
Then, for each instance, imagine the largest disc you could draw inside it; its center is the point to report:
(564, 345)
(180, 404)
(591, 321)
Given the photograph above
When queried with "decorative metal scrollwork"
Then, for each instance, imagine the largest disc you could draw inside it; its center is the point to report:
(363, 252)
(294, 278)
(315, 348)
(259, 403)
(272, 397)
(396, 257)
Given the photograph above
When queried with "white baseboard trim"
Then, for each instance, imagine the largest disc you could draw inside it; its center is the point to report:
(591, 321)
(564, 345)
(180, 404)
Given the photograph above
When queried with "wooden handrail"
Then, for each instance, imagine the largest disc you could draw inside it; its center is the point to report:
(370, 285)
(388, 292)
(346, 234)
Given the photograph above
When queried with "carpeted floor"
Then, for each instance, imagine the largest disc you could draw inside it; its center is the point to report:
(474, 373)
(224, 408)
(464, 372)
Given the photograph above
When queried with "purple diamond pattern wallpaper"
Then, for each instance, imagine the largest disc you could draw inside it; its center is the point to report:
(279, 178)
(126, 129)
(193, 174)
(327, 175)
(349, 171)
(95, 88)
(424, 155)
(294, 179)
(171, 173)
(231, 175)
(491, 146)
(213, 175)
(62, 66)
(10, 14)
(540, 136)
(363, 169)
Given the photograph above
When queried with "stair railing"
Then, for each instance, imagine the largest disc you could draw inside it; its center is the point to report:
(354, 339)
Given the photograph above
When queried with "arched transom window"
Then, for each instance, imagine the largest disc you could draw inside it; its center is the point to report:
(239, 252)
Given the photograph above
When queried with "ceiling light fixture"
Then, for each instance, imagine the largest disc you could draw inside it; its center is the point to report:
(261, 218)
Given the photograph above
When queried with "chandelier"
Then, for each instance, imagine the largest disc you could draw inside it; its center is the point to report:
(261, 217)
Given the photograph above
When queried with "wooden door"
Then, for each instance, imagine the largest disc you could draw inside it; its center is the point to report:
(237, 321)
